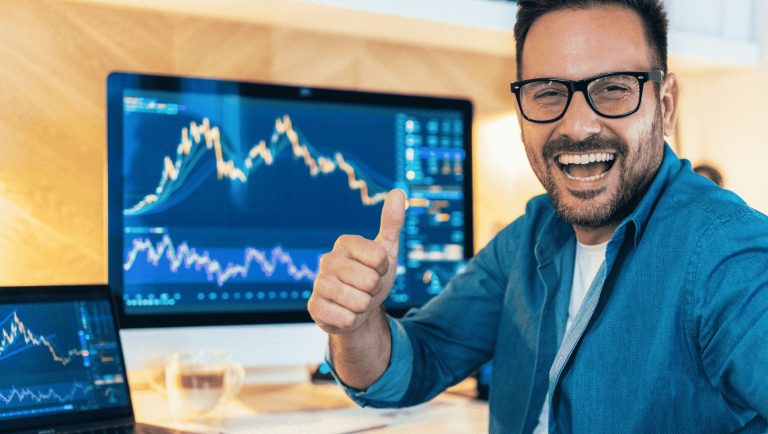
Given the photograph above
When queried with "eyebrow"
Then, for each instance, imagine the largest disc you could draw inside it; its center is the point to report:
(613, 71)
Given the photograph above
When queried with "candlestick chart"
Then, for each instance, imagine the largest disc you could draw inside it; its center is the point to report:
(56, 357)
(198, 139)
(228, 202)
(216, 211)
(17, 337)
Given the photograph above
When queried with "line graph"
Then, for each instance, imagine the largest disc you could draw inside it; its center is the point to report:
(182, 255)
(56, 393)
(198, 139)
(18, 337)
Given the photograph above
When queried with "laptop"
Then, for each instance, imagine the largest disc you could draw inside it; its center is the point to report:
(61, 362)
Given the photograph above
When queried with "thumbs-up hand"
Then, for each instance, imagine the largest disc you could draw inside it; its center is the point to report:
(357, 275)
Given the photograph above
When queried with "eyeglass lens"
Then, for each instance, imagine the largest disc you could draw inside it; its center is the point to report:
(613, 95)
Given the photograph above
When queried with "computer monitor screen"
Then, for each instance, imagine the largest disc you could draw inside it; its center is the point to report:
(223, 195)
(60, 357)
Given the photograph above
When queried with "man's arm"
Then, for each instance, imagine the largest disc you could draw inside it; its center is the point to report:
(369, 347)
(389, 389)
(730, 309)
(354, 280)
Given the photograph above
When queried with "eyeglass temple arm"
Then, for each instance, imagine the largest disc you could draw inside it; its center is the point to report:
(656, 75)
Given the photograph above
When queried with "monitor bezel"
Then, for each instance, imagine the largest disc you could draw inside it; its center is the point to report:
(118, 81)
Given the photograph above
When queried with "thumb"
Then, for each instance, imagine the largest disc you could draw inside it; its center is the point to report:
(392, 216)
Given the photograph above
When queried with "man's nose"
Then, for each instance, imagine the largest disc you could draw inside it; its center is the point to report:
(579, 121)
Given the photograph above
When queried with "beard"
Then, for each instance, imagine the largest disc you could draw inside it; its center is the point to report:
(636, 170)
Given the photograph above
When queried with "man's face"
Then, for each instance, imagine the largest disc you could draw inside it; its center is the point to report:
(574, 45)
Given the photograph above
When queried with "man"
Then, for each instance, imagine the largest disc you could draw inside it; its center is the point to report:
(633, 297)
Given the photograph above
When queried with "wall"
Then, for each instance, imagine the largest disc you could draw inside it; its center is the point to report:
(56, 56)
(724, 120)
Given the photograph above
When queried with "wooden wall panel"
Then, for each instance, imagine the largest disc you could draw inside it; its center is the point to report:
(220, 49)
(55, 60)
(315, 59)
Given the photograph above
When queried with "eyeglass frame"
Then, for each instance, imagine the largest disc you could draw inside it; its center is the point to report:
(573, 86)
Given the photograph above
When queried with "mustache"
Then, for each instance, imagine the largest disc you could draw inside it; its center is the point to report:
(566, 144)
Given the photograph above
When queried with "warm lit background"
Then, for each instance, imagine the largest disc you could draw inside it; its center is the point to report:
(56, 56)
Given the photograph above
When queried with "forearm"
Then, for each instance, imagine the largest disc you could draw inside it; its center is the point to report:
(362, 356)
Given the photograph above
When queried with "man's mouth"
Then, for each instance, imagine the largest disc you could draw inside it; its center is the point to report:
(586, 167)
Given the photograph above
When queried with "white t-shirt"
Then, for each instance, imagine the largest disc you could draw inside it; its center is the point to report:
(588, 262)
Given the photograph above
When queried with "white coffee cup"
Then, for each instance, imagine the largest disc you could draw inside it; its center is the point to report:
(197, 382)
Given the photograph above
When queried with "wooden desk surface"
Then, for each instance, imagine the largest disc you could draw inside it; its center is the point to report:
(305, 407)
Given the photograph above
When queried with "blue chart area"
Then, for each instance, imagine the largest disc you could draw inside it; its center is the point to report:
(22, 344)
(230, 201)
(45, 398)
(179, 179)
(243, 197)
(57, 357)
(160, 260)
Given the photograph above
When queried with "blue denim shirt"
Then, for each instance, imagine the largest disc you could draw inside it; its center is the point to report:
(672, 335)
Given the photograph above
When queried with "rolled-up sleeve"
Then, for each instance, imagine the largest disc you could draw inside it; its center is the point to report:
(393, 383)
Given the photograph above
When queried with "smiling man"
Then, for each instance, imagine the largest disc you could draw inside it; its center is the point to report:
(632, 297)
(592, 139)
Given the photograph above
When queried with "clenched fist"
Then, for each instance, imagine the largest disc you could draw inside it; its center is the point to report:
(356, 276)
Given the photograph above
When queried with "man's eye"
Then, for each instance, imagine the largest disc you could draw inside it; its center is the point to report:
(617, 88)
(614, 88)
(549, 95)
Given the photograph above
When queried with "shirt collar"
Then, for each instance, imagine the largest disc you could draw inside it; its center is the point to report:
(639, 217)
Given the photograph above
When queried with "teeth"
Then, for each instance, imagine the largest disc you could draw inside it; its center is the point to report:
(589, 178)
(585, 158)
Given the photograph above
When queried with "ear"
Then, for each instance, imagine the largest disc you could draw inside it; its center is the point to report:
(520, 121)
(520, 124)
(668, 97)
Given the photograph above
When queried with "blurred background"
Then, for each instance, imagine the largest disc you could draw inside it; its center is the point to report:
(56, 56)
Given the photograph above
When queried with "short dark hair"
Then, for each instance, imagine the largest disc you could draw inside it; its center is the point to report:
(651, 12)
(709, 171)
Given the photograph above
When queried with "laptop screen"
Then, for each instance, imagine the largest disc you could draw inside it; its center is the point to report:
(60, 357)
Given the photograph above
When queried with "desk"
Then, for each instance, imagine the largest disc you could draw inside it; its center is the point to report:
(305, 407)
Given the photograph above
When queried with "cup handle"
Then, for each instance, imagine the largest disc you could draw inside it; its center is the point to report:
(235, 379)
(156, 377)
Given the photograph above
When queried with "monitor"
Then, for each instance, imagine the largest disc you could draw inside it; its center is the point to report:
(60, 358)
(223, 195)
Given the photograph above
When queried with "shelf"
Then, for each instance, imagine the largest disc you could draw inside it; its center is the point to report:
(468, 25)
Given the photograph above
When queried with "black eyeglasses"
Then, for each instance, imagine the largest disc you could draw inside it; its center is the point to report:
(612, 95)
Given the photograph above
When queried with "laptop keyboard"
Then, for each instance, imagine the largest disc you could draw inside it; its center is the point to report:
(122, 428)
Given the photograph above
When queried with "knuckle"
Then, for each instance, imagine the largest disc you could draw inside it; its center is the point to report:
(319, 285)
(356, 305)
(381, 253)
(324, 288)
(329, 261)
(344, 241)
(340, 241)
(311, 306)
(381, 259)
(364, 304)
(315, 311)
(383, 266)
(331, 265)
(324, 259)
(347, 320)
(370, 281)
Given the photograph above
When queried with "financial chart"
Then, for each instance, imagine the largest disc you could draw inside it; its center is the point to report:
(57, 358)
(229, 201)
